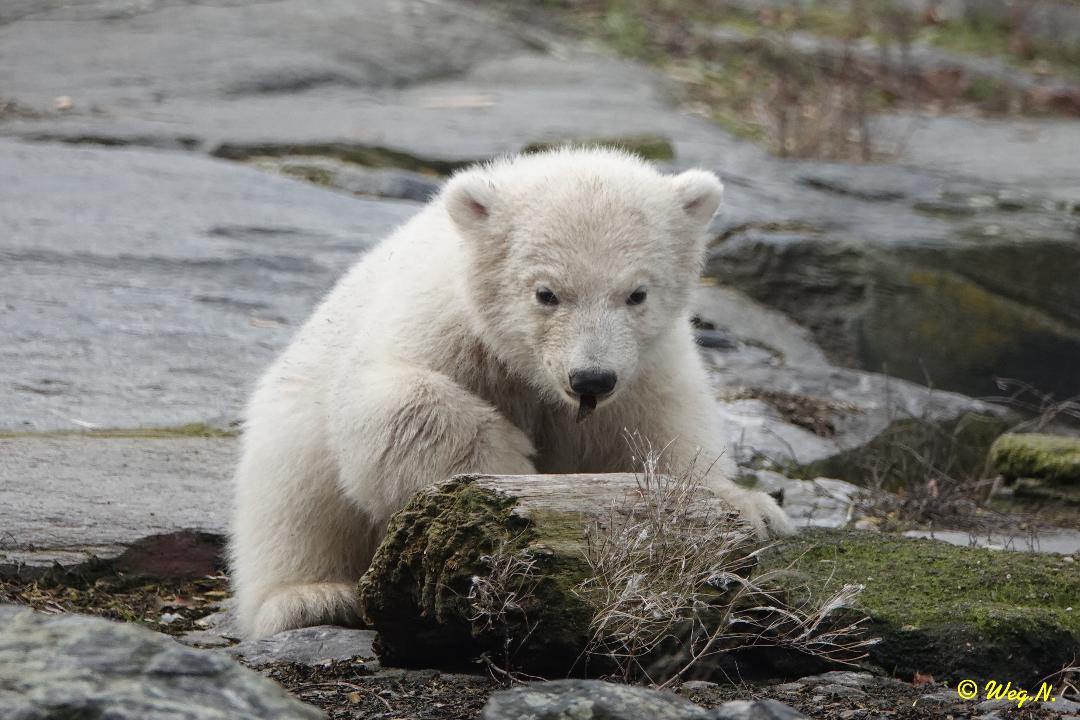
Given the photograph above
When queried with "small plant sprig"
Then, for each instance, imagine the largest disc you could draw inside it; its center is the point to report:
(498, 602)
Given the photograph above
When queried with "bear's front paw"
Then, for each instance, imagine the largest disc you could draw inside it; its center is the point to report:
(505, 450)
(758, 510)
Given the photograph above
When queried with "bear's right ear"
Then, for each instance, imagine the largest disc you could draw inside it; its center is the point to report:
(469, 199)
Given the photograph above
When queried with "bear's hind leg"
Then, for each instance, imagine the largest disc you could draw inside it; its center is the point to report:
(298, 545)
(304, 605)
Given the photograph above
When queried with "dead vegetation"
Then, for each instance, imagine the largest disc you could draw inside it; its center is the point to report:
(172, 607)
(937, 474)
(498, 600)
(810, 413)
(799, 77)
(673, 587)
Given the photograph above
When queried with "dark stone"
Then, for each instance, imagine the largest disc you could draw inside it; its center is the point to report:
(181, 555)
(716, 339)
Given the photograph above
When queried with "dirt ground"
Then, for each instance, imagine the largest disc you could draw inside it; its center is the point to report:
(348, 691)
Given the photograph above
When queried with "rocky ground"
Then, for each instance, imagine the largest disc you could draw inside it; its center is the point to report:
(181, 181)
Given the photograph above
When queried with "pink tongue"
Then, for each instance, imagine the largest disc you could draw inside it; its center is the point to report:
(588, 404)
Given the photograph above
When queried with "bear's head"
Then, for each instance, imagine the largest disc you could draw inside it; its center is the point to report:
(579, 263)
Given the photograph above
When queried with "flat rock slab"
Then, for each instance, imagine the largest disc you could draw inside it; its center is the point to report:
(67, 498)
(588, 699)
(309, 646)
(437, 78)
(55, 666)
(143, 288)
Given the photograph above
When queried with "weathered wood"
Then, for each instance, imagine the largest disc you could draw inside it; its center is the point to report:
(416, 593)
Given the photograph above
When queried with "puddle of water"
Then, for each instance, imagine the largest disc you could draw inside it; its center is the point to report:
(1050, 540)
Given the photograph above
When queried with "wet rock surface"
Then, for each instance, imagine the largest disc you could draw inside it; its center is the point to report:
(75, 666)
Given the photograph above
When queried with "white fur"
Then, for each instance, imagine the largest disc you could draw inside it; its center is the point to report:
(433, 357)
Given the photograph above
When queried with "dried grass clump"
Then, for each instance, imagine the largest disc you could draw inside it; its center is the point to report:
(498, 601)
(672, 585)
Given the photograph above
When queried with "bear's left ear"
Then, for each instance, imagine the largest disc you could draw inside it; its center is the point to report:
(700, 193)
(469, 198)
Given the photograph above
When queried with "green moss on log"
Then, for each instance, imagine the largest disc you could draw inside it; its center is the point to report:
(954, 612)
(416, 591)
(1032, 455)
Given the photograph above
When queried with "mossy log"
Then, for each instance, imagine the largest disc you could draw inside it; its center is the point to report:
(416, 592)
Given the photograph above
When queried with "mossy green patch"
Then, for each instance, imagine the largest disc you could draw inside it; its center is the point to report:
(936, 323)
(310, 173)
(954, 612)
(190, 430)
(647, 147)
(1034, 455)
(373, 156)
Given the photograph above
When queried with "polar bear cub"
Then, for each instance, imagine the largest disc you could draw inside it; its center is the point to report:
(520, 323)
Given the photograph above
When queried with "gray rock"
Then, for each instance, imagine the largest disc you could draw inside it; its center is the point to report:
(440, 80)
(847, 678)
(54, 666)
(994, 705)
(65, 499)
(821, 502)
(342, 175)
(835, 245)
(958, 300)
(941, 697)
(756, 710)
(1061, 705)
(782, 404)
(835, 422)
(751, 323)
(149, 288)
(308, 646)
(698, 685)
(837, 690)
(585, 699)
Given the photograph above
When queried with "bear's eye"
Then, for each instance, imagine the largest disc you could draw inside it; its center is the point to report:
(545, 296)
(637, 297)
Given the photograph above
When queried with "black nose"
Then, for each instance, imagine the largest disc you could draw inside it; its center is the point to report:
(592, 382)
